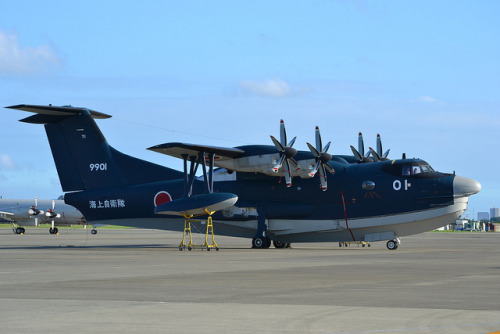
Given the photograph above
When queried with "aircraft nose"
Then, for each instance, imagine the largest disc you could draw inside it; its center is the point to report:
(463, 186)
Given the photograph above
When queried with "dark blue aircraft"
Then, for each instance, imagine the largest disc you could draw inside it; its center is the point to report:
(357, 198)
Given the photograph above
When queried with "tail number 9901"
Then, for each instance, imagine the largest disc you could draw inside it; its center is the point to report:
(98, 167)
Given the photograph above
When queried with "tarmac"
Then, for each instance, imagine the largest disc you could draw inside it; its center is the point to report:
(137, 281)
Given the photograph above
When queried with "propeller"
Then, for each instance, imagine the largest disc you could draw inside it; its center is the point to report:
(359, 153)
(377, 155)
(322, 158)
(34, 211)
(51, 213)
(287, 152)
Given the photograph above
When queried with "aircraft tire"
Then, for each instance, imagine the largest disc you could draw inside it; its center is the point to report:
(94, 231)
(392, 245)
(261, 243)
(279, 244)
(19, 230)
(257, 242)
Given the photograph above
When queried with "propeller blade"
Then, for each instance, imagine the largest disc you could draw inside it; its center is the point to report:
(36, 221)
(329, 168)
(361, 145)
(288, 176)
(322, 178)
(294, 163)
(290, 144)
(386, 154)
(278, 145)
(36, 202)
(327, 147)
(375, 155)
(319, 143)
(315, 168)
(313, 150)
(282, 133)
(278, 165)
(53, 204)
(357, 155)
(379, 145)
(370, 150)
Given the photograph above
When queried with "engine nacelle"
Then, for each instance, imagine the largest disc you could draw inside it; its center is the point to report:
(51, 214)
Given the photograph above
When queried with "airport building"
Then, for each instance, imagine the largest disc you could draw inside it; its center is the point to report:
(483, 216)
(494, 213)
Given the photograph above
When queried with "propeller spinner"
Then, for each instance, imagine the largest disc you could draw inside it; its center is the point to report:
(287, 152)
(322, 158)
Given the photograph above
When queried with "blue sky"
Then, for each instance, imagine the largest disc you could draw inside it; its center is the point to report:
(423, 74)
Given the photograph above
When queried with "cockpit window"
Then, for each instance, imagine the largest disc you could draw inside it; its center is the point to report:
(427, 168)
(416, 169)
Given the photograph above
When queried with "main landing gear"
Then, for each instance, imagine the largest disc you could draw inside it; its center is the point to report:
(263, 242)
(20, 230)
(53, 230)
(393, 244)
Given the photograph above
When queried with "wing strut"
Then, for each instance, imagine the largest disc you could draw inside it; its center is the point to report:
(197, 200)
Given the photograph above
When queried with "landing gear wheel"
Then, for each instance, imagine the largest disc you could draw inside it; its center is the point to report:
(261, 242)
(257, 242)
(392, 245)
(267, 242)
(94, 231)
(19, 230)
(279, 244)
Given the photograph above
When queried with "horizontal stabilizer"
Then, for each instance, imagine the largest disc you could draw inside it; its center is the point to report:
(178, 150)
(51, 111)
(197, 204)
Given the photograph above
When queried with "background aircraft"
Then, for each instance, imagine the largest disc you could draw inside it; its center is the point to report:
(26, 212)
(357, 198)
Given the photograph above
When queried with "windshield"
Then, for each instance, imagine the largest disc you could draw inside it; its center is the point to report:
(415, 169)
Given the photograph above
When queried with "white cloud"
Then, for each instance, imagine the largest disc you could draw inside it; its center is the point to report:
(6, 161)
(16, 59)
(427, 99)
(271, 87)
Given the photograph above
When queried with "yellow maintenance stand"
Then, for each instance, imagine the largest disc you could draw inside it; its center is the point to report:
(187, 231)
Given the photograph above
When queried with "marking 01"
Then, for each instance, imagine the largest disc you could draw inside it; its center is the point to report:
(396, 185)
(98, 167)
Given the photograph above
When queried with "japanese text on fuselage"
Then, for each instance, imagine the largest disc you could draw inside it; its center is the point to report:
(107, 204)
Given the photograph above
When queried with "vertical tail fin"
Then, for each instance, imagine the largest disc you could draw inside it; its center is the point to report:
(83, 158)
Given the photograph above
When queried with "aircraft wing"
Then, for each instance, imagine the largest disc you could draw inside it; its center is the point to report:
(179, 150)
(4, 217)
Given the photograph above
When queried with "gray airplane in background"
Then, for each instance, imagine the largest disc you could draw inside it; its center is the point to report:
(34, 212)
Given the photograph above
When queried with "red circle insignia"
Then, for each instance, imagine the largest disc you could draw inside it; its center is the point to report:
(162, 197)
